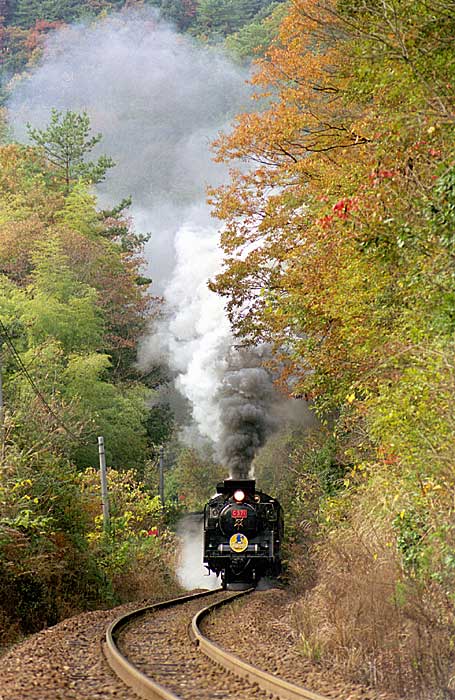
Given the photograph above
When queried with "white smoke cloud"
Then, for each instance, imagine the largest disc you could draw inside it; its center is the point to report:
(191, 572)
(159, 100)
(195, 335)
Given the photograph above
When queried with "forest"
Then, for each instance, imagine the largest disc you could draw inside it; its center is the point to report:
(246, 27)
(338, 240)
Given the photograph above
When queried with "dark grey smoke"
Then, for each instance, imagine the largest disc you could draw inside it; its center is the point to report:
(247, 398)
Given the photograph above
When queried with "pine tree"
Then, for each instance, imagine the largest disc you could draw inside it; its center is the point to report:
(223, 17)
(66, 142)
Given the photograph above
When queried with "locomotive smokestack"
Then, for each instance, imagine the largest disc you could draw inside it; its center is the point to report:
(246, 400)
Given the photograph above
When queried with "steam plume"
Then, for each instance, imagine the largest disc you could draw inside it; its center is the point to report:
(159, 100)
(190, 571)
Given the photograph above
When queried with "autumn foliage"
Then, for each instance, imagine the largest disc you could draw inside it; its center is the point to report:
(313, 227)
(338, 239)
(73, 303)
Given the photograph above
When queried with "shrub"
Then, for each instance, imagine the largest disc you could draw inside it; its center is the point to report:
(46, 569)
(137, 552)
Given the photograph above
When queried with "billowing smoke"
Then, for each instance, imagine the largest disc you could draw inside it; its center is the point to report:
(246, 398)
(159, 100)
(195, 335)
(190, 571)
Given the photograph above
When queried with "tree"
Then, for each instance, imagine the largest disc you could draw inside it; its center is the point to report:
(327, 241)
(219, 18)
(57, 305)
(292, 147)
(101, 248)
(66, 143)
(79, 212)
(117, 411)
(181, 12)
(254, 38)
(26, 12)
(194, 477)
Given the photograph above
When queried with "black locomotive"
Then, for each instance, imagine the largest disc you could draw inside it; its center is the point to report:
(243, 529)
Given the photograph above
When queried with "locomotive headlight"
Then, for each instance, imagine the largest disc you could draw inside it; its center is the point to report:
(239, 496)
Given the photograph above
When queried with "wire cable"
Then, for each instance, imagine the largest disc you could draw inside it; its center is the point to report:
(22, 368)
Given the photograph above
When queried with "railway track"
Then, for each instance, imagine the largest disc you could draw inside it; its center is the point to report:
(161, 653)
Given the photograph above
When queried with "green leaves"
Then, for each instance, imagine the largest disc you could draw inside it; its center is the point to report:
(254, 38)
(79, 211)
(56, 305)
(69, 296)
(219, 18)
(66, 142)
(119, 412)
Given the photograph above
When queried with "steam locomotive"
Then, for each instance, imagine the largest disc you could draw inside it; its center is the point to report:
(243, 530)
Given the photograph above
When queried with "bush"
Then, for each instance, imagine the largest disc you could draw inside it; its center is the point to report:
(46, 569)
(368, 618)
(137, 552)
(55, 559)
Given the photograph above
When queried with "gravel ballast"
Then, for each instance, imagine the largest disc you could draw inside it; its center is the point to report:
(160, 646)
(258, 629)
(65, 662)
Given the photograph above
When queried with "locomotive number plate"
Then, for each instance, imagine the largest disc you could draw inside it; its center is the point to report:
(243, 513)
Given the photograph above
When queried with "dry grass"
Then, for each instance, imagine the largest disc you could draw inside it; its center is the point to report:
(149, 573)
(366, 621)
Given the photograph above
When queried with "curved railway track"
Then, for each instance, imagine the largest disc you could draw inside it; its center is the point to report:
(161, 653)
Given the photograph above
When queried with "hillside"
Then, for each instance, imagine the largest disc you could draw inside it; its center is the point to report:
(24, 24)
(345, 222)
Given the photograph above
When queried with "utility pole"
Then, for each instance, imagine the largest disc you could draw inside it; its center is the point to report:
(161, 485)
(104, 492)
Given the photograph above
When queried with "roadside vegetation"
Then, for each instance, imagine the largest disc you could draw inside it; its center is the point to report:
(72, 306)
(348, 217)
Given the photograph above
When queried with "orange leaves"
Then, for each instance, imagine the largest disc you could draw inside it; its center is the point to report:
(299, 225)
(36, 34)
(17, 240)
(305, 113)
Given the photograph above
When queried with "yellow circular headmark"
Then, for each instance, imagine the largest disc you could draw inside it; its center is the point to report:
(238, 542)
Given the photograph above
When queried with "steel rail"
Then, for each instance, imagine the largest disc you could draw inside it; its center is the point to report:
(141, 684)
(277, 686)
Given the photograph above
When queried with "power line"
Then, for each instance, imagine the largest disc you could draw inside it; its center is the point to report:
(22, 368)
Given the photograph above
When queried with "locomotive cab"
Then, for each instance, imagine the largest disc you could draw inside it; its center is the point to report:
(243, 528)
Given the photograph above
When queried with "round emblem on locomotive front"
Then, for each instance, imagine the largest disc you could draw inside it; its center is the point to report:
(238, 542)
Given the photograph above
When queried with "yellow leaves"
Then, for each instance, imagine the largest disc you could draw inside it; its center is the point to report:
(350, 398)
(428, 488)
(359, 472)
(23, 483)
